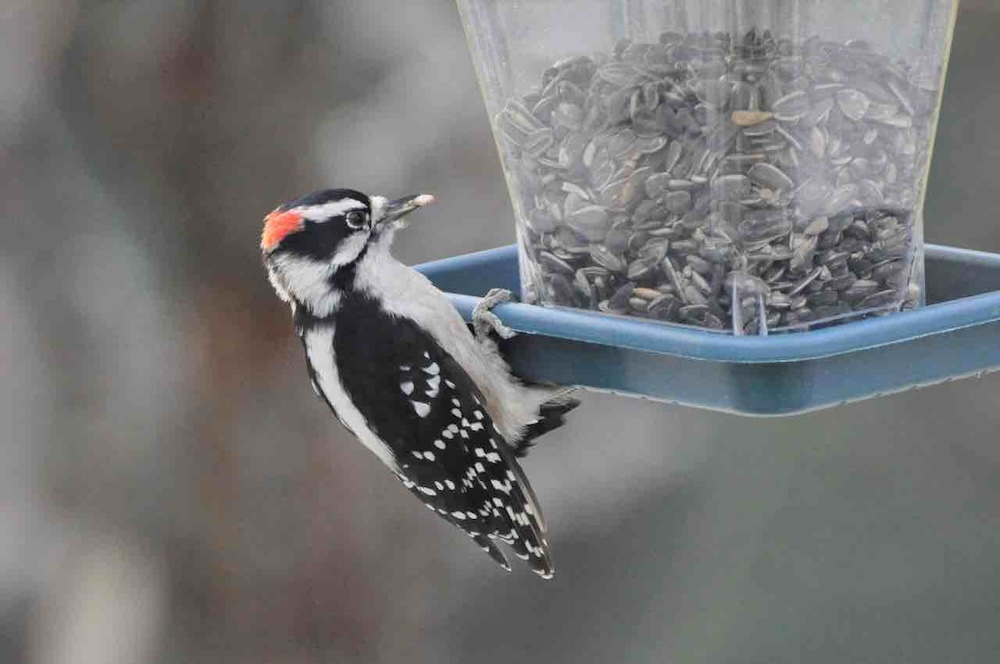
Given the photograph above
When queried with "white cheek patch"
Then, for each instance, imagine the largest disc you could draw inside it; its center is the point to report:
(327, 210)
(307, 280)
(350, 248)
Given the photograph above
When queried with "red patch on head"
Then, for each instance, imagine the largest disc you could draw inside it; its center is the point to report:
(277, 226)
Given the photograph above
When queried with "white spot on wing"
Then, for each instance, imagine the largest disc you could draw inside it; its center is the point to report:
(407, 387)
(422, 409)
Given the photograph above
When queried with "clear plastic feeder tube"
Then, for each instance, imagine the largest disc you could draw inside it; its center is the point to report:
(748, 166)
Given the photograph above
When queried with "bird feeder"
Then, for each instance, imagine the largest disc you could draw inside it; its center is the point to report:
(719, 202)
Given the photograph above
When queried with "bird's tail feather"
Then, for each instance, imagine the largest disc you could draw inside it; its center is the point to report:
(551, 416)
(490, 547)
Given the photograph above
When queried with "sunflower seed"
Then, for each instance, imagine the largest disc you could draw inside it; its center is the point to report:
(764, 226)
(791, 107)
(591, 222)
(769, 176)
(817, 226)
(802, 253)
(746, 284)
(678, 202)
(639, 270)
(561, 290)
(840, 199)
(619, 300)
(750, 118)
(853, 103)
(731, 187)
(603, 257)
(538, 142)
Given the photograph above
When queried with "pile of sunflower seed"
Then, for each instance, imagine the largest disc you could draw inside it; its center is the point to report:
(746, 184)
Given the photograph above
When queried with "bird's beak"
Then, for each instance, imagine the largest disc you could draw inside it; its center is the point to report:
(277, 226)
(395, 210)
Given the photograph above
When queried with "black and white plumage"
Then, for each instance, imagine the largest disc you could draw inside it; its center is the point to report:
(399, 368)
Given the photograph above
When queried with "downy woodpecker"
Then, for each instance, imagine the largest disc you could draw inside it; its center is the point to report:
(400, 369)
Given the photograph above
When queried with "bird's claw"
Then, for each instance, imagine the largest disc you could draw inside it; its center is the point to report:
(485, 321)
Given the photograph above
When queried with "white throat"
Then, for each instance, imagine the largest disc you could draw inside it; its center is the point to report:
(306, 281)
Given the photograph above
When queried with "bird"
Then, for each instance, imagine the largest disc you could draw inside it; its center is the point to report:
(393, 359)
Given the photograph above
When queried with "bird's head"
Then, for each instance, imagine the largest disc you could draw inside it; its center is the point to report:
(307, 241)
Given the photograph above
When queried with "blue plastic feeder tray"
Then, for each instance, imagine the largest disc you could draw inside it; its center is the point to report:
(957, 335)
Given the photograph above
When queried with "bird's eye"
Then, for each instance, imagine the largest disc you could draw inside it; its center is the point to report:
(356, 219)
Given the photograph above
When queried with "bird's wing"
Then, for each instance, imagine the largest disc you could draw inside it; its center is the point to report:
(425, 407)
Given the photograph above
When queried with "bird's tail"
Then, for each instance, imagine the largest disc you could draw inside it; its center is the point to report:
(551, 416)
(493, 550)
(527, 534)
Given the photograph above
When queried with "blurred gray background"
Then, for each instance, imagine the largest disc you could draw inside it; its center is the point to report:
(171, 491)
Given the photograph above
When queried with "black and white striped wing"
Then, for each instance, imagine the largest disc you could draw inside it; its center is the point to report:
(422, 404)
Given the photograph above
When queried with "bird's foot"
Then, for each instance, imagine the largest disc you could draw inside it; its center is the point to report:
(485, 321)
